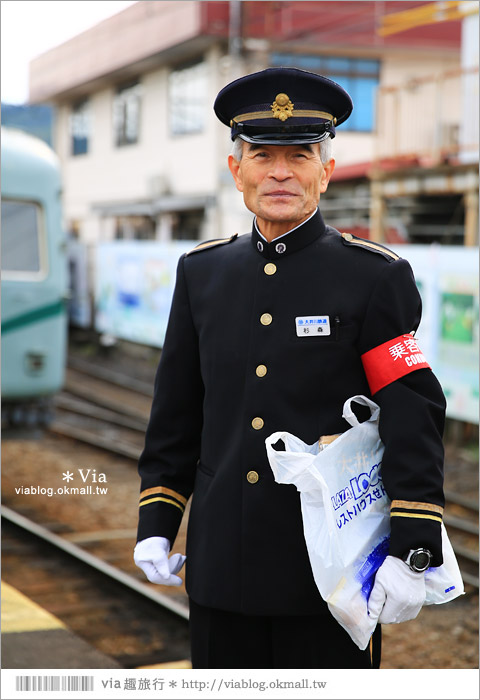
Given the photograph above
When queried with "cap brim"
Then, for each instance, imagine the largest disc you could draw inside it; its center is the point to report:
(290, 139)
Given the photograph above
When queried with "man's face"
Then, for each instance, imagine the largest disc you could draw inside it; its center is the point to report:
(281, 184)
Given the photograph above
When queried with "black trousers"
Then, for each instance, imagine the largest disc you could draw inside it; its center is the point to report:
(222, 639)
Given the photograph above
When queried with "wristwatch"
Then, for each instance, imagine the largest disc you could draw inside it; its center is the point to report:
(418, 559)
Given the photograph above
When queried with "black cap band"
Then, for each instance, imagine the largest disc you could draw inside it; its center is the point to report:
(293, 135)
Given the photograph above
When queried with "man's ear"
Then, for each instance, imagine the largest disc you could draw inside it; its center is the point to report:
(234, 166)
(327, 173)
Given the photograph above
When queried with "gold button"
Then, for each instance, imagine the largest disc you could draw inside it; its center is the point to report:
(270, 269)
(266, 319)
(257, 423)
(261, 371)
(252, 477)
(347, 236)
(282, 99)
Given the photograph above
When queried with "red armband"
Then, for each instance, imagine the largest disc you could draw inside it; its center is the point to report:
(392, 360)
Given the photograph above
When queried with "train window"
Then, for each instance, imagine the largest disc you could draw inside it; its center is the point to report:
(21, 247)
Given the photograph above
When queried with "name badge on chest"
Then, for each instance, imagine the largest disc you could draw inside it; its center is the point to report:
(312, 326)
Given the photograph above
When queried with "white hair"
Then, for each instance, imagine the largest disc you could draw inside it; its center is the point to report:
(325, 149)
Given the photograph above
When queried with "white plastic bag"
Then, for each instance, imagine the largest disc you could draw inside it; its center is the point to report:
(346, 518)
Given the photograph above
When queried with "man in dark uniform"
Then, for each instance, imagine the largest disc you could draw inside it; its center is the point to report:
(237, 366)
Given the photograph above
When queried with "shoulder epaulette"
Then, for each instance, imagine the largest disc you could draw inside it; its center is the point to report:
(212, 244)
(350, 239)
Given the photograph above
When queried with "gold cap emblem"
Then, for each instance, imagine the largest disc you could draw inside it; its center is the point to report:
(282, 108)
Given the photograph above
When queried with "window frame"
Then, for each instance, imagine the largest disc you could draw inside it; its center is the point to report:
(120, 140)
(43, 271)
(76, 107)
(336, 73)
(201, 114)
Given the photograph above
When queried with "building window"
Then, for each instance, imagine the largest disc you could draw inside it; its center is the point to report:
(138, 228)
(187, 99)
(126, 114)
(22, 238)
(80, 128)
(186, 225)
(358, 76)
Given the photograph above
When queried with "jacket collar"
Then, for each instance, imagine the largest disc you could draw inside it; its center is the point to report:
(290, 242)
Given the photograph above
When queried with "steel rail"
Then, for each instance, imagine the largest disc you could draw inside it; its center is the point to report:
(94, 562)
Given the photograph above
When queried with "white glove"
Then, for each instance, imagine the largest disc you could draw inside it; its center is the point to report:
(397, 594)
(151, 555)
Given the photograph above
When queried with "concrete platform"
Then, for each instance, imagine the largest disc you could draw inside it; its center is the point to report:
(184, 663)
(33, 638)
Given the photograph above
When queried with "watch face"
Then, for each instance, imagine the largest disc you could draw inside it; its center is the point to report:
(420, 560)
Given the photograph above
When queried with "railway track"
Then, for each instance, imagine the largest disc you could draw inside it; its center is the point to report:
(91, 410)
(104, 421)
(461, 520)
(126, 619)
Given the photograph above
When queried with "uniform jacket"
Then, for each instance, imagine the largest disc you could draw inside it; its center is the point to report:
(233, 370)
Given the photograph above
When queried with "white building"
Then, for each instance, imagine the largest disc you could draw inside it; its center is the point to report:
(142, 152)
